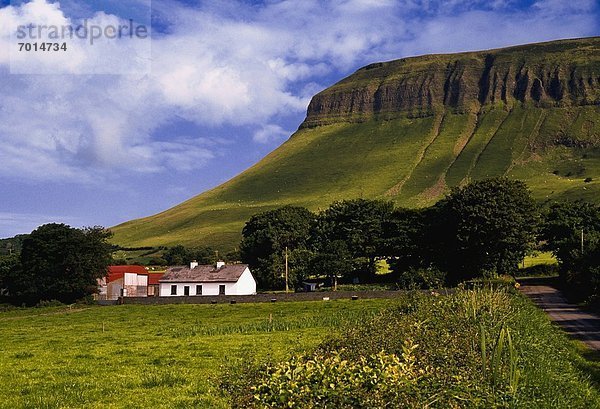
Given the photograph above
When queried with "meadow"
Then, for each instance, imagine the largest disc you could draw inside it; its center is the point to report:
(479, 348)
(152, 356)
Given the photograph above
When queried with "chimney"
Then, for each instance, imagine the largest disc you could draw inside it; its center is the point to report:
(220, 264)
(193, 264)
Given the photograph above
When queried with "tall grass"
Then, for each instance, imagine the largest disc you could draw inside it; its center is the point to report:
(270, 323)
(480, 348)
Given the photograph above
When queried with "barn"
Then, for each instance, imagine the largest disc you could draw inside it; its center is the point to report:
(198, 280)
(128, 281)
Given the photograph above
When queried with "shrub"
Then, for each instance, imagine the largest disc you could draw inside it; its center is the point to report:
(49, 303)
(157, 261)
(482, 348)
(330, 380)
(540, 270)
(422, 278)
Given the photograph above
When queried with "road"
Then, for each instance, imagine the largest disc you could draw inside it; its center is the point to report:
(579, 324)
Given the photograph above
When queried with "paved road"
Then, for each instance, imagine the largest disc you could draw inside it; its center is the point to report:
(579, 324)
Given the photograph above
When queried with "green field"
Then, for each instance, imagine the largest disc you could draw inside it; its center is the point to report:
(401, 131)
(174, 356)
(542, 258)
(151, 356)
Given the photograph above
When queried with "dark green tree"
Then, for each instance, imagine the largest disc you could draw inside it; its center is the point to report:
(333, 260)
(562, 229)
(7, 264)
(177, 255)
(359, 224)
(299, 266)
(180, 255)
(405, 239)
(486, 226)
(58, 262)
(571, 231)
(265, 238)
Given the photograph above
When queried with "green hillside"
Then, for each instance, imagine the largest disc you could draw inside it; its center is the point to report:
(410, 129)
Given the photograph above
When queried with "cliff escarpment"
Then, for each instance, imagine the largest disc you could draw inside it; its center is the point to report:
(556, 74)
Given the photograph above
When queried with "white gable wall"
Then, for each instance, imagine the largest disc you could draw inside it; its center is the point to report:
(246, 285)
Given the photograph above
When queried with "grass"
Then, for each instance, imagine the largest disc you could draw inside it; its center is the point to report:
(436, 160)
(320, 165)
(541, 258)
(173, 356)
(412, 156)
(151, 356)
(488, 125)
(478, 348)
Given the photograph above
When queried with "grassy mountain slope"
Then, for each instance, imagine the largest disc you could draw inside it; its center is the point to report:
(409, 130)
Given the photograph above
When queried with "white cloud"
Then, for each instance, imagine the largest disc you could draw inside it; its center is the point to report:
(228, 63)
(270, 133)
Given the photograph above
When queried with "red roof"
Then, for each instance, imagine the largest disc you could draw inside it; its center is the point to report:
(117, 272)
(154, 277)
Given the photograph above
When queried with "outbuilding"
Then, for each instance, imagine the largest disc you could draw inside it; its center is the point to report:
(198, 280)
(125, 281)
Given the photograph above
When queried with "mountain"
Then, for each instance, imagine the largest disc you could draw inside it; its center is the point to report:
(409, 130)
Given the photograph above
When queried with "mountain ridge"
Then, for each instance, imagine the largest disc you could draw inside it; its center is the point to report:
(468, 81)
(408, 130)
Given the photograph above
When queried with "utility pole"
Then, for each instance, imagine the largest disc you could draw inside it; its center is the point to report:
(287, 288)
(582, 240)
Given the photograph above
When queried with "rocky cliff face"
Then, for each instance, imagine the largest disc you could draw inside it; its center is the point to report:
(558, 74)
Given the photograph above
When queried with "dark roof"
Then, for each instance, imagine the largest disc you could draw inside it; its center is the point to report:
(204, 274)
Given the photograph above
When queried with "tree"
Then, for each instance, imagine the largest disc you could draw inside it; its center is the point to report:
(485, 226)
(359, 224)
(7, 264)
(333, 260)
(405, 242)
(58, 262)
(265, 238)
(177, 255)
(562, 229)
(180, 255)
(571, 231)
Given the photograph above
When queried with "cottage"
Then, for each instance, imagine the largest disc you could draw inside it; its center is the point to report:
(196, 280)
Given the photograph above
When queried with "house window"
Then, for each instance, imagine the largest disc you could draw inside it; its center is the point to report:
(199, 290)
(173, 290)
(222, 289)
(186, 290)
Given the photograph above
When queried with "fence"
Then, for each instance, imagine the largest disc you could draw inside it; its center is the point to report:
(278, 297)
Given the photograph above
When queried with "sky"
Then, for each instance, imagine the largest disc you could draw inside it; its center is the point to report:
(126, 127)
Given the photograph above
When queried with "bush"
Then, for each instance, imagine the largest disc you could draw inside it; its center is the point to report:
(330, 380)
(422, 279)
(479, 348)
(49, 303)
(157, 261)
(540, 270)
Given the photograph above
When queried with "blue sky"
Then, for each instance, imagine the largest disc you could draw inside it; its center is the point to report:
(229, 82)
